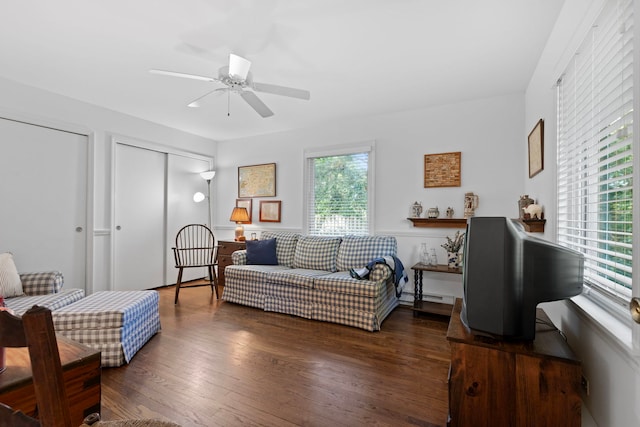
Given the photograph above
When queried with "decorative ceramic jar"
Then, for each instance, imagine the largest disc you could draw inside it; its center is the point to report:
(416, 210)
(433, 213)
(453, 259)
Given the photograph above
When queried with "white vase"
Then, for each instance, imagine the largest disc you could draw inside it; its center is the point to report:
(453, 261)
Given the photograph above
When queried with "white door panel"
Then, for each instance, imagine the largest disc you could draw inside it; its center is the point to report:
(43, 188)
(139, 218)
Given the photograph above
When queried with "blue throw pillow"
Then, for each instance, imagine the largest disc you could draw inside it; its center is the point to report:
(262, 252)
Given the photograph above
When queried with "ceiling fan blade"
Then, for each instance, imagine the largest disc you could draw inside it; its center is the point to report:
(238, 67)
(183, 75)
(196, 102)
(255, 103)
(282, 90)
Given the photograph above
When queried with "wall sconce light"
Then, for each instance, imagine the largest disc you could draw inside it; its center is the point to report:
(199, 197)
(239, 215)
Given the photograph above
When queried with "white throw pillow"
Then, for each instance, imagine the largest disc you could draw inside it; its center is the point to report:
(10, 284)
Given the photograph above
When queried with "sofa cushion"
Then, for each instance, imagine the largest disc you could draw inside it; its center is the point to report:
(295, 277)
(10, 284)
(251, 273)
(51, 301)
(342, 283)
(316, 253)
(262, 252)
(357, 251)
(285, 245)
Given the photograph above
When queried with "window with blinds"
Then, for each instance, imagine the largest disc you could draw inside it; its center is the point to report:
(595, 153)
(337, 196)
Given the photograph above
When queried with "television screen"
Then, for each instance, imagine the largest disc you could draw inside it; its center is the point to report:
(507, 273)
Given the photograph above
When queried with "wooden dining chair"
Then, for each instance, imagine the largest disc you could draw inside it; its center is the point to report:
(196, 247)
(35, 331)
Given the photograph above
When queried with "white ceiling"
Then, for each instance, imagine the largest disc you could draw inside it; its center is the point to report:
(357, 57)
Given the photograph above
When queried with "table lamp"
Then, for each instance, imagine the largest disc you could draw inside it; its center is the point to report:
(239, 215)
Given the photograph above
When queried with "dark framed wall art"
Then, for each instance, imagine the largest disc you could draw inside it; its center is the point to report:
(536, 149)
(270, 210)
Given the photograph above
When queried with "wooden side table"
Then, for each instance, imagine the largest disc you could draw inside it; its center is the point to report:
(225, 249)
(81, 372)
(512, 383)
(420, 306)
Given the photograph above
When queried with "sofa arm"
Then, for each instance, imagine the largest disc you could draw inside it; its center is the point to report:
(380, 273)
(42, 283)
(239, 257)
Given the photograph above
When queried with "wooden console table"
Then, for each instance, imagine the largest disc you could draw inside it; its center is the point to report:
(428, 306)
(520, 383)
(81, 372)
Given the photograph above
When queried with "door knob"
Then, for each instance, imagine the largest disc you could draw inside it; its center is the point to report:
(118, 227)
(78, 229)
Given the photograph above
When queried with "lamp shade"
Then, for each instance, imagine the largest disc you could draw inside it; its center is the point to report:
(239, 215)
(208, 175)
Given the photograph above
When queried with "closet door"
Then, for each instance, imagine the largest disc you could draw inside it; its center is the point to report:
(139, 247)
(43, 188)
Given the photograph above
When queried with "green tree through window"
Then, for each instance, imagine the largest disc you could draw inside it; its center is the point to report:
(340, 194)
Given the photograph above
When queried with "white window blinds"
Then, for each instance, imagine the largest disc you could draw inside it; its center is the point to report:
(595, 128)
(337, 192)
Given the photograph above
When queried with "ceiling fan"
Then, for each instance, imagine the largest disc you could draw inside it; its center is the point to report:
(237, 78)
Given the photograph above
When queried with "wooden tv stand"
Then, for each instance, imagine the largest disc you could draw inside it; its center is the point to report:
(498, 383)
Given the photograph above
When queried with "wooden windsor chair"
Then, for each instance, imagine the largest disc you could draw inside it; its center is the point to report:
(195, 248)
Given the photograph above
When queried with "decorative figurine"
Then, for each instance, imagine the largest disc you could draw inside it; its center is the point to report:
(470, 204)
(449, 212)
(533, 211)
(433, 213)
(416, 210)
(524, 201)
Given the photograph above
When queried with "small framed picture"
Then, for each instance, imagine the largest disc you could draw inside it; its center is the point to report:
(536, 149)
(245, 203)
(270, 210)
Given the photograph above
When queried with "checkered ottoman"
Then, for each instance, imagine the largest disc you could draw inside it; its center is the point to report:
(118, 323)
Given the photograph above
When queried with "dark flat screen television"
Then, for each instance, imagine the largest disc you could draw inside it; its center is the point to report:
(507, 273)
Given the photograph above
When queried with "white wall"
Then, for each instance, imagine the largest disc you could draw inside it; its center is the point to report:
(30, 104)
(488, 132)
(612, 371)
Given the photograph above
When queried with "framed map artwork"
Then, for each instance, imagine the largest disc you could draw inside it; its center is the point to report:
(257, 180)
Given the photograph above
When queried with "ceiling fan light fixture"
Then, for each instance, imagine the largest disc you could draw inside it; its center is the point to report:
(238, 67)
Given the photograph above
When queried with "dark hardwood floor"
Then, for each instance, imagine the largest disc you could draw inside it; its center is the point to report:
(221, 364)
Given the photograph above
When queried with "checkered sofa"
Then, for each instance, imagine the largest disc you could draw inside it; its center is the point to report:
(312, 279)
(43, 289)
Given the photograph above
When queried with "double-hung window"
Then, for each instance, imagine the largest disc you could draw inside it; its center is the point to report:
(339, 190)
(595, 155)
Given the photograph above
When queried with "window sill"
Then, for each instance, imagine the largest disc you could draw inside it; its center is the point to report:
(610, 327)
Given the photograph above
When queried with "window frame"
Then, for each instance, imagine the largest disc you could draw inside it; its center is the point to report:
(609, 314)
(339, 150)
